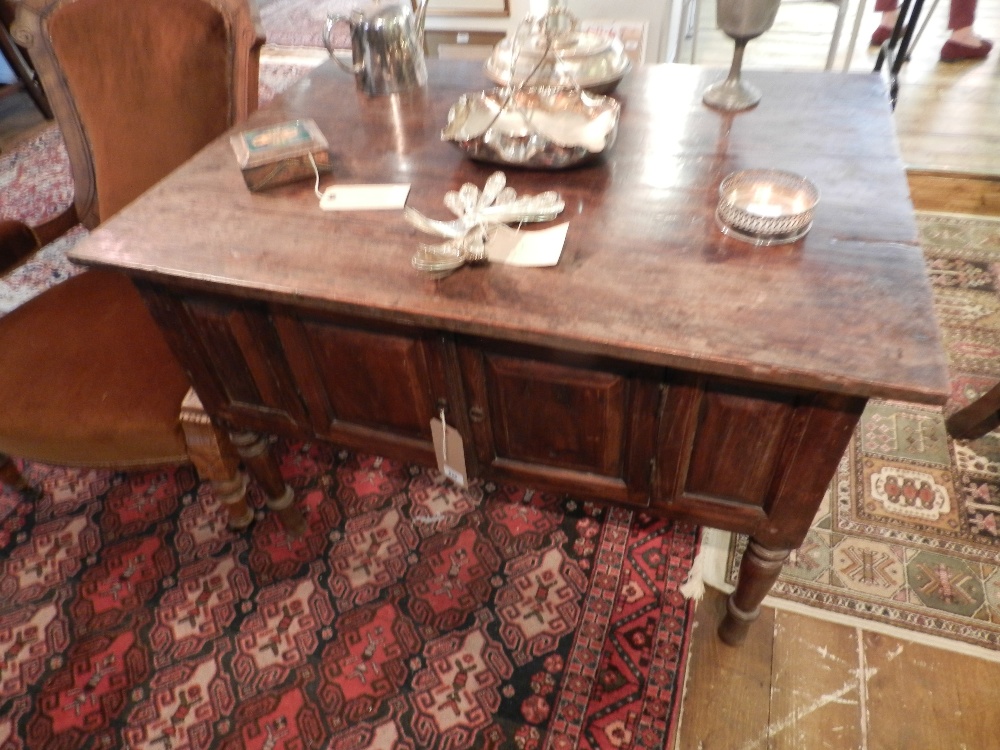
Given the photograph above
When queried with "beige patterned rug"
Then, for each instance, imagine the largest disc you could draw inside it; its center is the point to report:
(908, 537)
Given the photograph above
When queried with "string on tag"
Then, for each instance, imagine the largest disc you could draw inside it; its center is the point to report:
(315, 172)
(444, 439)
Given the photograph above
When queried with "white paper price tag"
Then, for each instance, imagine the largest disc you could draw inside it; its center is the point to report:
(538, 248)
(450, 451)
(364, 197)
(454, 475)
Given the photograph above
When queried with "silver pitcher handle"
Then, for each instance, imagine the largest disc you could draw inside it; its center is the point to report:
(331, 21)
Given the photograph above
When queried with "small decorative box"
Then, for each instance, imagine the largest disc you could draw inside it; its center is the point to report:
(279, 154)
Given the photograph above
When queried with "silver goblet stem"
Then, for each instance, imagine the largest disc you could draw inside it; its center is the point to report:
(742, 20)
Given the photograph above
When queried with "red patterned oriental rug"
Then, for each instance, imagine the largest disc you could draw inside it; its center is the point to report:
(411, 615)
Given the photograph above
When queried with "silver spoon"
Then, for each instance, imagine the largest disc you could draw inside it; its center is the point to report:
(445, 257)
(453, 203)
(451, 229)
(495, 184)
(533, 208)
(468, 194)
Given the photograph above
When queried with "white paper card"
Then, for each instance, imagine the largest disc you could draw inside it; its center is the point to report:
(528, 249)
(364, 197)
(448, 447)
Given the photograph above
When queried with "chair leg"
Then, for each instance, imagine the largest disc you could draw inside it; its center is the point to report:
(11, 477)
(261, 463)
(215, 460)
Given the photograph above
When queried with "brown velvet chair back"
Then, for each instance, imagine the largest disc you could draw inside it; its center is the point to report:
(139, 86)
(7, 11)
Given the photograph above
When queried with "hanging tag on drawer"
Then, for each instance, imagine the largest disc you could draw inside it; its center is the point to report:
(449, 450)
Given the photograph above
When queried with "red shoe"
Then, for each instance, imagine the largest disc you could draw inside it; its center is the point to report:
(881, 35)
(957, 52)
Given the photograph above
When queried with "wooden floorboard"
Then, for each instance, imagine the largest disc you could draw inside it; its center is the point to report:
(816, 698)
(800, 683)
(952, 192)
(727, 695)
(922, 697)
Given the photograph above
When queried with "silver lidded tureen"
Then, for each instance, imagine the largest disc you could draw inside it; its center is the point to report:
(551, 51)
(545, 115)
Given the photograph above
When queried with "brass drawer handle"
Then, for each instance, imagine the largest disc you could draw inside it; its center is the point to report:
(476, 414)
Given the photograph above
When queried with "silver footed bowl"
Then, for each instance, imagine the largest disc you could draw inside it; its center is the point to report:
(542, 127)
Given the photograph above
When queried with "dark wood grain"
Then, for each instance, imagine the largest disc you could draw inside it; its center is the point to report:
(562, 422)
(644, 274)
(376, 387)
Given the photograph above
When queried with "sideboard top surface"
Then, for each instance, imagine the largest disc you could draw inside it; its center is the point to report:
(645, 275)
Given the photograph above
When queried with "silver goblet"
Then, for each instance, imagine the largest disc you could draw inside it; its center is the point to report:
(742, 20)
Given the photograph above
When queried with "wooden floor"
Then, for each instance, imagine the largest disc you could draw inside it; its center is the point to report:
(800, 683)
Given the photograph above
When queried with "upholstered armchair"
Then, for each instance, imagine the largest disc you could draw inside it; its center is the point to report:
(137, 87)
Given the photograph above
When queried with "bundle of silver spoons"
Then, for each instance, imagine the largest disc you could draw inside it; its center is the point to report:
(479, 212)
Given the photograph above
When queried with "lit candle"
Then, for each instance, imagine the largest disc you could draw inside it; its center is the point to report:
(760, 204)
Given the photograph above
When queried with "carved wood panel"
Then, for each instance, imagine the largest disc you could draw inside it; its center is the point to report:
(369, 385)
(543, 418)
(729, 453)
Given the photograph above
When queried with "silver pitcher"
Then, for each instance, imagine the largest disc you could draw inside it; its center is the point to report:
(387, 46)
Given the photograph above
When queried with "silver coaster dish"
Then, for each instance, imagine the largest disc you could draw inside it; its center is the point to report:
(766, 206)
(543, 127)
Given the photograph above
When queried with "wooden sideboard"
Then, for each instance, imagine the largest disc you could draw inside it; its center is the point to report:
(661, 365)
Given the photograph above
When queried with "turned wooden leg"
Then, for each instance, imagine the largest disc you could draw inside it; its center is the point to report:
(10, 476)
(758, 572)
(976, 418)
(215, 460)
(261, 463)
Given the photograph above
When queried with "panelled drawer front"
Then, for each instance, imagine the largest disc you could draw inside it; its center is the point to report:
(377, 386)
(724, 448)
(545, 419)
(739, 439)
(557, 416)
